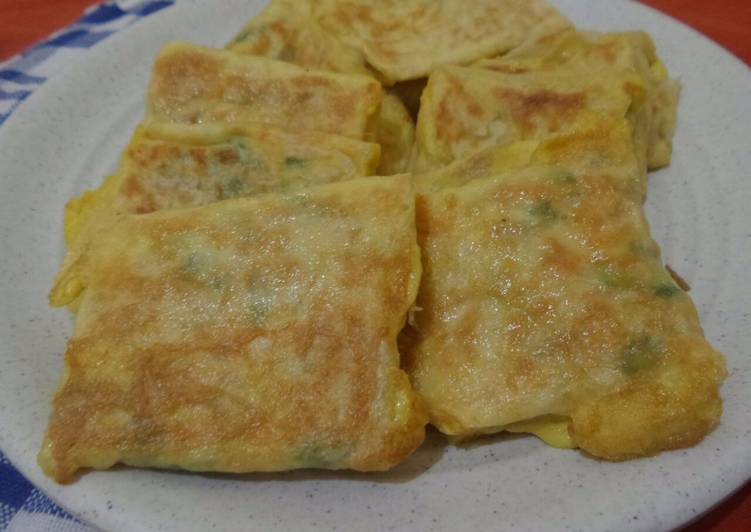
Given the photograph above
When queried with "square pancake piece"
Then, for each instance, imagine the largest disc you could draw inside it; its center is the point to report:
(466, 109)
(591, 52)
(167, 166)
(255, 334)
(406, 39)
(192, 84)
(546, 308)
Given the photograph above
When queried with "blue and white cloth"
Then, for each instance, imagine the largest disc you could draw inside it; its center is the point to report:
(24, 508)
(22, 74)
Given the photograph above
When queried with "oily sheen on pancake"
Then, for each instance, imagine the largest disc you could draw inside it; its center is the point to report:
(406, 39)
(256, 334)
(240, 287)
(286, 30)
(545, 308)
(468, 109)
(590, 52)
(167, 166)
(191, 84)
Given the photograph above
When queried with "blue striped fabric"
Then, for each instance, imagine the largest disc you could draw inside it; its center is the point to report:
(20, 75)
(78, 39)
(24, 508)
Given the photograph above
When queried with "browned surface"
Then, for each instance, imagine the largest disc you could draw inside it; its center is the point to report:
(242, 336)
(543, 293)
(191, 84)
(406, 39)
(726, 21)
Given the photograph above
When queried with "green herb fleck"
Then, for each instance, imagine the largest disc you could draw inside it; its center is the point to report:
(641, 354)
(257, 311)
(666, 290)
(318, 456)
(193, 265)
(294, 161)
(197, 268)
(246, 155)
(233, 188)
(543, 210)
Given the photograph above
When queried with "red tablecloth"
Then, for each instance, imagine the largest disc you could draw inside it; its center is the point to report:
(22, 22)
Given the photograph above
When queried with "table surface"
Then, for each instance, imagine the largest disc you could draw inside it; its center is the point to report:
(726, 21)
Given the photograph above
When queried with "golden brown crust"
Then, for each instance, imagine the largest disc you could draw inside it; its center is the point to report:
(464, 110)
(287, 31)
(169, 166)
(191, 84)
(543, 293)
(406, 39)
(643, 419)
(250, 334)
(603, 54)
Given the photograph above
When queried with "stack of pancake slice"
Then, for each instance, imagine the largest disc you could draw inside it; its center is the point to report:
(286, 271)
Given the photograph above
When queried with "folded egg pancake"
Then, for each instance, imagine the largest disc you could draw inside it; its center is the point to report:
(406, 39)
(167, 166)
(255, 334)
(603, 53)
(468, 109)
(545, 308)
(286, 30)
(604, 147)
(192, 84)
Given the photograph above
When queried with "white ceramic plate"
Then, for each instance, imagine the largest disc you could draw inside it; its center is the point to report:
(69, 134)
